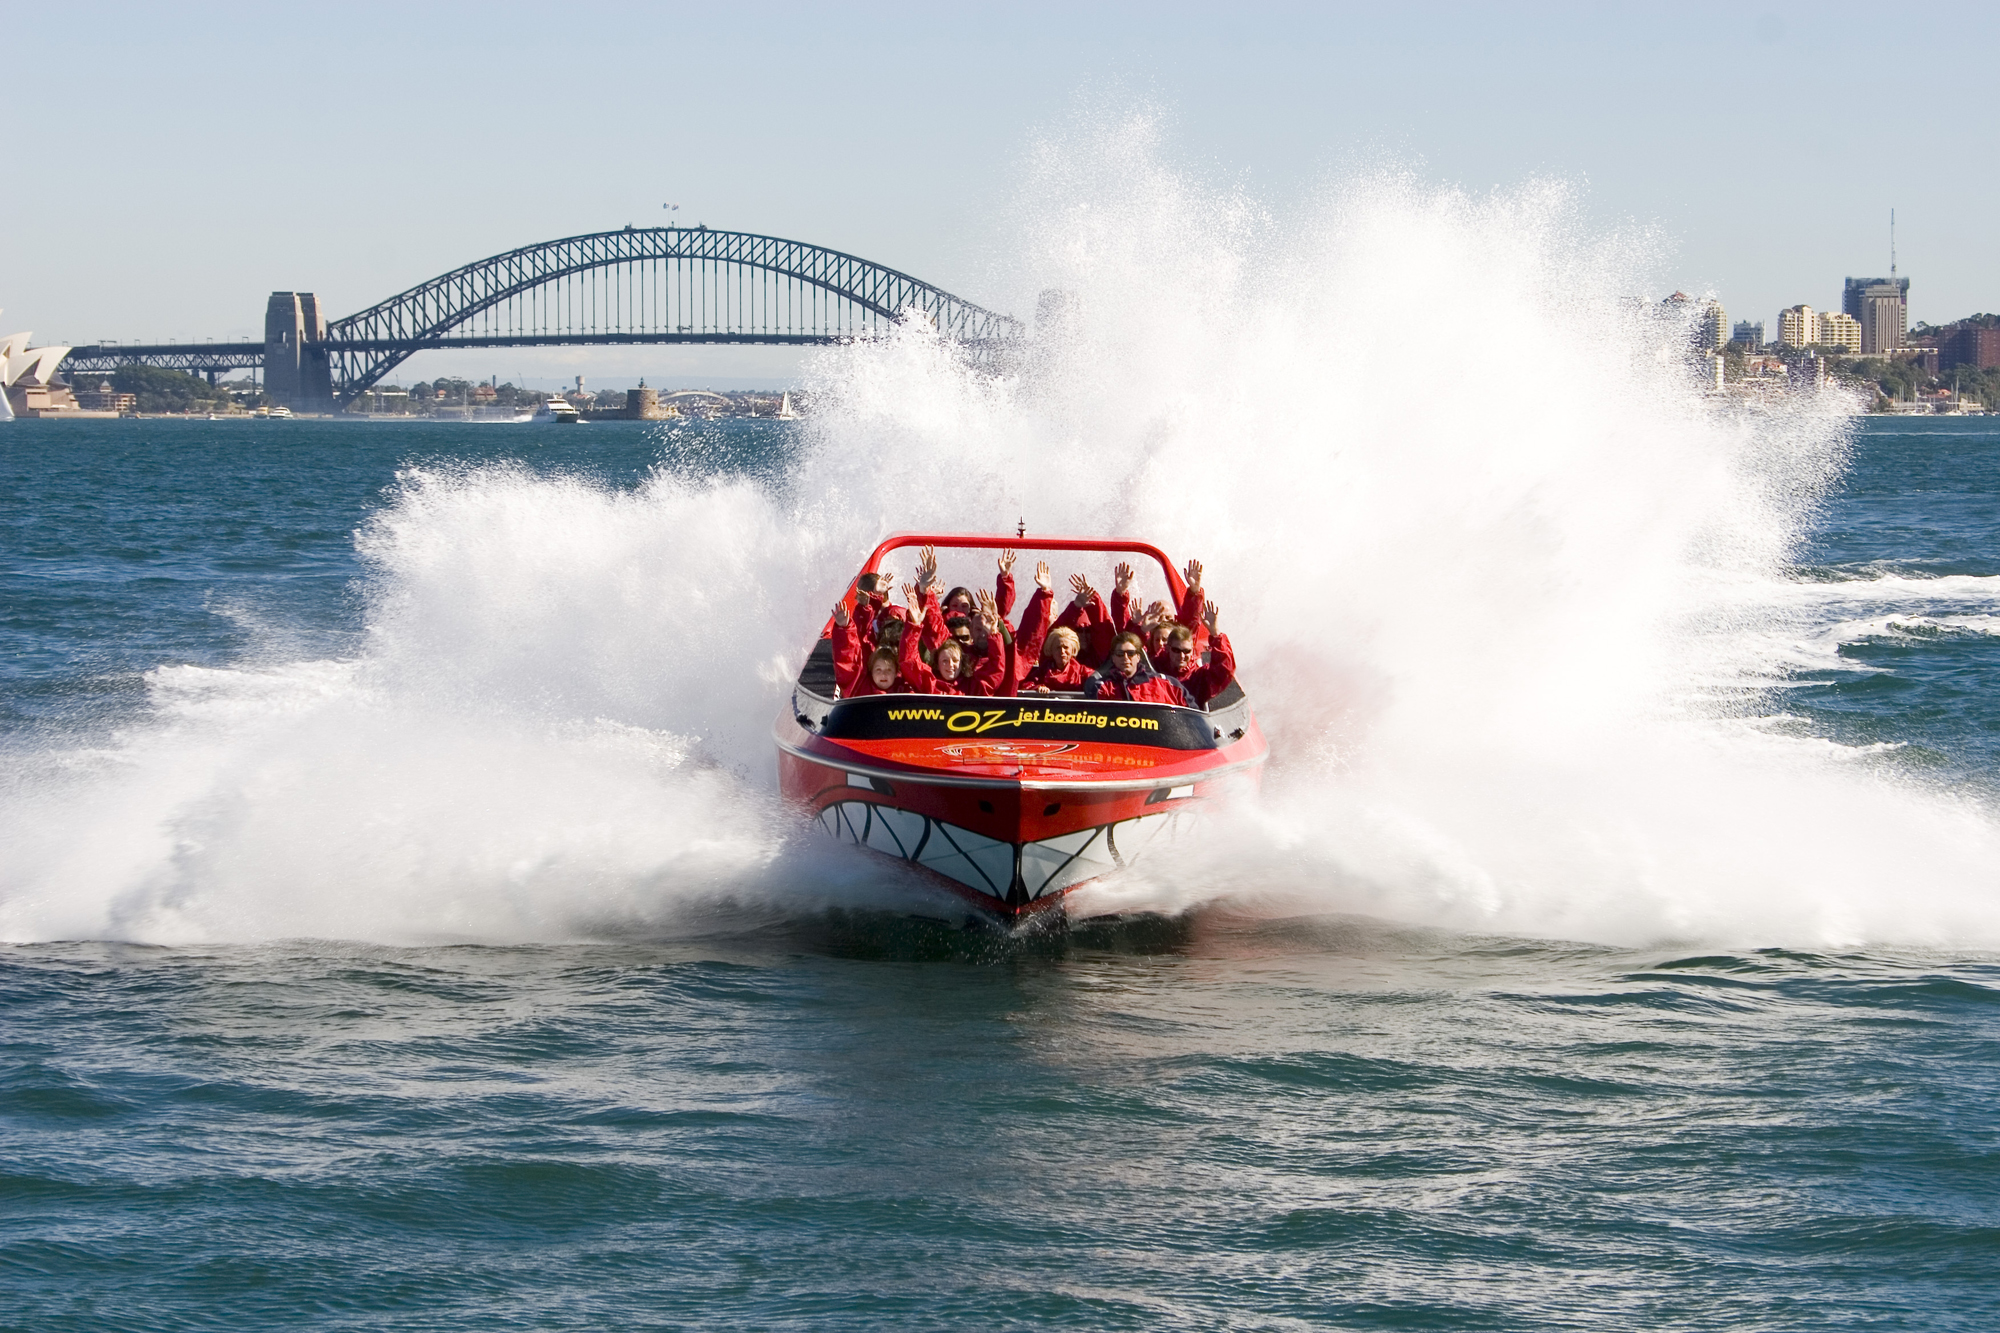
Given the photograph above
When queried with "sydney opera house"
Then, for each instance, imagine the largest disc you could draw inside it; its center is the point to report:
(29, 376)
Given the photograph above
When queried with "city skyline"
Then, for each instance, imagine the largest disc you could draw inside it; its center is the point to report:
(364, 156)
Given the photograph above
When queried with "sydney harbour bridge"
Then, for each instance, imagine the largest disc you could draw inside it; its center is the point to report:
(634, 285)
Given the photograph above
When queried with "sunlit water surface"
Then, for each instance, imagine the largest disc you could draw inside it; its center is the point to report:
(791, 1108)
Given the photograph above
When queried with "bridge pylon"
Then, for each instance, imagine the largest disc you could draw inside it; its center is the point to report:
(297, 371)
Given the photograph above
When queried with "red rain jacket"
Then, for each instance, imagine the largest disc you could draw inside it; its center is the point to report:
(1143, 686)
(987, 676)
(1205, 680)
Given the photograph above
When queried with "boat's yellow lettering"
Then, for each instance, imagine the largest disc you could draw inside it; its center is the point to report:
(978, 722)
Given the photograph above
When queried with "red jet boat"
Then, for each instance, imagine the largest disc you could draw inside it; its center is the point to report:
(1010, 803)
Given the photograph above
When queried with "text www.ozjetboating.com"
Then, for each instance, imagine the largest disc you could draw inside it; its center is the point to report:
(977, 720)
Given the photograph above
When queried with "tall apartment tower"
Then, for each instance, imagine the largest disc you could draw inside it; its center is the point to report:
(1882, 305)
(1712, 331)
(1748, 334)
(1798, 326)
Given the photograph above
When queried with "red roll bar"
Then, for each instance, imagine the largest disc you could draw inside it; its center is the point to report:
(1025, 545)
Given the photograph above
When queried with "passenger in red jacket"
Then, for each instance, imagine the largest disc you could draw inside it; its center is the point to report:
(986, 666)
(1059, 669)
(858, 668)
(945, 675)
(1204, 680)
(990, 648)
(1158, 617)
(1086, 615)
(1128, 675)
(876, 618)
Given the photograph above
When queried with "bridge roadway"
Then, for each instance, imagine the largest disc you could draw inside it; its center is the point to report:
(633, 286)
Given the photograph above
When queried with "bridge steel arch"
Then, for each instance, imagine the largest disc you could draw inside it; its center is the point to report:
(649, 285)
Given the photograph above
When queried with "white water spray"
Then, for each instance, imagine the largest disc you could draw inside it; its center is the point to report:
(1493, 564)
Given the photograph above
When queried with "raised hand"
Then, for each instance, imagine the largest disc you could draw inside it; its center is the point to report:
(1121, 576)
(1194, 573)
(1209, 615)
(1043, 579)
(1007, 561)
(885, 586)
(840, 616)
(914, 595)
(989, 612)
(1081, 587)
(1157, 612)
(927, 566)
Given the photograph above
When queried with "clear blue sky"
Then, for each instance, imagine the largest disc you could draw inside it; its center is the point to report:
(172, 164)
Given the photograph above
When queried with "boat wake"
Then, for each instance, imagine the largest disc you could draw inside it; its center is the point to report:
(1512, 646)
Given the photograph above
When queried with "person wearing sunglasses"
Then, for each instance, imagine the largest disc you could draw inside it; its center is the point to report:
(1181, 659)
(1128, 675)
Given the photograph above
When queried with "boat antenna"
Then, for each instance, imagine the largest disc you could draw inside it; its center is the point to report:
(1020, 528)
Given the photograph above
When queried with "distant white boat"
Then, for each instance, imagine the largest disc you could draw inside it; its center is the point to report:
(557, 410)
(785, 412)
(280, 413)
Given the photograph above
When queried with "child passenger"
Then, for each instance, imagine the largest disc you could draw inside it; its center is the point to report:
(950, 671)
(858, 669)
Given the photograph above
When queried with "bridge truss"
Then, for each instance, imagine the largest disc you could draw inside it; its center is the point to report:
(635, 285)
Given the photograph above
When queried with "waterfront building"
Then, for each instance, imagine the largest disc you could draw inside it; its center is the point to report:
(1750, 335)
(104, 398)
(1882, 306)
(1842, 331)
(1798, 326)
(1969, 344)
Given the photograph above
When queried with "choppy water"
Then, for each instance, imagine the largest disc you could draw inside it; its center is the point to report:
(772, 1108)
(398, 928)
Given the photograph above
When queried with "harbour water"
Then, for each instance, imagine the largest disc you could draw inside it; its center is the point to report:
(400, 935)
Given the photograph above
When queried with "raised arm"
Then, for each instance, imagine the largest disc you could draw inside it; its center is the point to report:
(1090, 618)
(1191, 607)
(994, 675)
(1003, 585)
(1035, 621)
(1122, 618)
(910, 662)
(849, 660)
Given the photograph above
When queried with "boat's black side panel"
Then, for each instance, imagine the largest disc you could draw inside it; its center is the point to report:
(901, 716)
(817, 674)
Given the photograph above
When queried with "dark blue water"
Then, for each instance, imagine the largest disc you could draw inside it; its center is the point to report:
(837, 1119)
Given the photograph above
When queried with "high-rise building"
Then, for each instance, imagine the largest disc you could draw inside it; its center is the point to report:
(1882, 305)
(1748, 334)
(1798, 326)
(1842, 331)
(1712, 329)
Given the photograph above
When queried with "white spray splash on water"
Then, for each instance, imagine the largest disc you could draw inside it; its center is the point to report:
(1494, 566)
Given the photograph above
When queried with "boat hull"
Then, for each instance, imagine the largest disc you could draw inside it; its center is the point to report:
(1012, 804)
